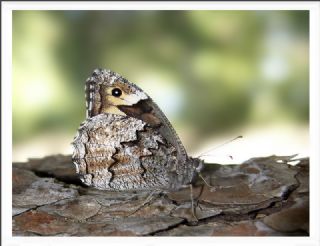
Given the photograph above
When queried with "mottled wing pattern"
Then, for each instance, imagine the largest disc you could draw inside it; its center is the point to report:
(127, 143)
(114, 152)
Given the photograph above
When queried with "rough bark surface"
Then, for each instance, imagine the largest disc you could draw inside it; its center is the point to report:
(260, 197)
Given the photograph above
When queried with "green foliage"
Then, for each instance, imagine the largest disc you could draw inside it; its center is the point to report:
(223, 68)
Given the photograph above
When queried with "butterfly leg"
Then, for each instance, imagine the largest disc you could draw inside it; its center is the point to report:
(146, 201)
(212, 188)
(193, 208)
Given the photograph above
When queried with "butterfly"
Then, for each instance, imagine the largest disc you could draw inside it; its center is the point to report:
(126, 141)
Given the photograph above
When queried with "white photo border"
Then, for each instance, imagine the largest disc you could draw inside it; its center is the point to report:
(6, 130)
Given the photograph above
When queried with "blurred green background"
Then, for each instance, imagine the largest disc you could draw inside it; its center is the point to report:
(215, 74)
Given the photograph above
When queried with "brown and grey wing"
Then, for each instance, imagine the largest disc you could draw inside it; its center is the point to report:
(114, 152)
(183, 171)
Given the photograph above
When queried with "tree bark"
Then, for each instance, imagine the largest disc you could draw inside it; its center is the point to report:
(260, 197)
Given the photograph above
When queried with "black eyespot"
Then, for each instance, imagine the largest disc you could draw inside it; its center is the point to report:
(116, 92)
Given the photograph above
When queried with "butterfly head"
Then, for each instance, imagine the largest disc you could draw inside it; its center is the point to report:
(106, 91)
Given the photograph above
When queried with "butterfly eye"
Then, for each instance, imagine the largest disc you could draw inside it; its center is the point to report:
(116, 92)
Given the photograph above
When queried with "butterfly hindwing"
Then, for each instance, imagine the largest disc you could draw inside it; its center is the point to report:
(115, 152)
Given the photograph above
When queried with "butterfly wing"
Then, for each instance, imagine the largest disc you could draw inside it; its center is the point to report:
(114, 152)
(135, 145)
(147, 111)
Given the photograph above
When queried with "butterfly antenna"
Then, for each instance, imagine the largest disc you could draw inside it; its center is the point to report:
(219, 146)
